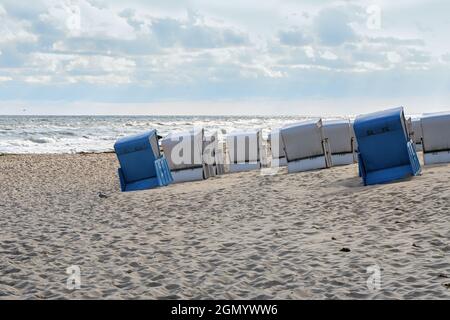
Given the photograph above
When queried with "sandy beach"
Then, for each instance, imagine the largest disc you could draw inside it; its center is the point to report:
(237, 236)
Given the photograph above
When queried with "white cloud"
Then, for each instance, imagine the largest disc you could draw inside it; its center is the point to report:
(38, 79)
(328, 55)
(107, 79)
(83, 19)
(4, 79)
(394, 57)
(12, 30)
(96, 64)
(198, 48)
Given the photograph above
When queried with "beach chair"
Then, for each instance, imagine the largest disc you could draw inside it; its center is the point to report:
(220, 155)
(417, 133)
(385, 151)
(141, 164)
(409, 128)
(305, 146)
(210, 150)
(244, 150)
(184, 153)
(341, 140)
(276, 148)
(436, 137)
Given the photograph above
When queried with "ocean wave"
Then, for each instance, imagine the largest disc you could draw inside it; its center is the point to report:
(98, 134)
(66, 133)
(41, 140)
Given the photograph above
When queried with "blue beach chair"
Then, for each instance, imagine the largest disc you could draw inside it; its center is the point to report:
(141, 164)
(385, 151)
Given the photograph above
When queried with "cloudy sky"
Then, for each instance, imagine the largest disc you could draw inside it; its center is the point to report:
(223, 57)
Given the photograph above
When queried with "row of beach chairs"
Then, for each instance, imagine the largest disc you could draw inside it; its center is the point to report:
(383, 144)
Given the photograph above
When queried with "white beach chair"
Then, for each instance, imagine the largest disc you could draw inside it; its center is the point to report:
(352, 132)
(220, 161)
(341, 141)
(306, 146)
(210, 154)
(417, 133)
(276, 148)
(436, 137)
(244, 150)
(184, 153)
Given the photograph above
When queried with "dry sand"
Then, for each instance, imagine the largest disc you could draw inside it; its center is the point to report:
(235, 236)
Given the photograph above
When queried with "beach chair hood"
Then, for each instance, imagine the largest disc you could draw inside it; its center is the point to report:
(303, 140)
(339, 135)
(244, 146)
(436, 138)
(436, 132)
(174, 146)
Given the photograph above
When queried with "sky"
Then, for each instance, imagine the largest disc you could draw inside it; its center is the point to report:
(213, 57)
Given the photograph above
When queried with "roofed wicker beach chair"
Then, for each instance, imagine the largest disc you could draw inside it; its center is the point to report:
(244, 150)
(305, 146)
(417, 133)
(436, 137)
(342, 142)
(210, 151)
(184, 153)
(276, 148)
(141, 164)
(385, 150)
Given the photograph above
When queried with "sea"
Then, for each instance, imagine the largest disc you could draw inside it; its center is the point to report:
(78, 134)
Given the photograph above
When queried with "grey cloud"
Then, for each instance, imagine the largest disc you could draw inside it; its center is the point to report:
(28, 10)
(10, 57)
(332, 27)
(293, 37)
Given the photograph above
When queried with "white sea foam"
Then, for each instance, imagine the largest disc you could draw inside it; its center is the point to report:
(63, 134)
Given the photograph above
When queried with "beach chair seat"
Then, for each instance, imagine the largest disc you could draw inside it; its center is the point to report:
(385, 150)
(341, 141)
(141, 164)
(305, 146)
(244, 150)
(436, 138)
